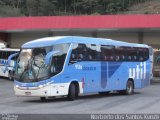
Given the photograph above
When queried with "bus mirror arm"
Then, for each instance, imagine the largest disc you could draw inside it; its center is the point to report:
(49, 55)
(10, 58)
(9, 61)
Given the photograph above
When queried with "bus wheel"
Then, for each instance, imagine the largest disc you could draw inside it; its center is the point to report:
(43, 99)
(10, 76)
(129, 87)
(72, 92)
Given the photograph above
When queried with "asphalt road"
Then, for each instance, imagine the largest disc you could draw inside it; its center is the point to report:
(145, 100)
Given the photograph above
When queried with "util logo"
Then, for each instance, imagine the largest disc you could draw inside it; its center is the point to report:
(139, 72)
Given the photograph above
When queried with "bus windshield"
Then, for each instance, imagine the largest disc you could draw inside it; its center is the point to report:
(31, 65)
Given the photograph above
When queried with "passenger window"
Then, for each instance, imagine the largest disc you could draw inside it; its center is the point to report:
(146, 53)
(119, 53)
(85, 52)
(137, 54)
(58, 59)
(78, 52)
(1, 55)
(93, 52)
(143, 54)
(130, 54)
(107, 53)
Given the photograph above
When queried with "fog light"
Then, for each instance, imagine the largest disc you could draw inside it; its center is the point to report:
(47, 83)
(45, 92)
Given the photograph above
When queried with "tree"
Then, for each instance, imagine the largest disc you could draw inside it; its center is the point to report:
(64, 7)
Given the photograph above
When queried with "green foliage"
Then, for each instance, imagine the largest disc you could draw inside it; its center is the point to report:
(64, 7)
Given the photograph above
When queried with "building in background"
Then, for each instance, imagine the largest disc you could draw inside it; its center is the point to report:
(130, 28)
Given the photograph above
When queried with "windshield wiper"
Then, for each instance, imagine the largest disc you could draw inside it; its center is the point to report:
(21, 76)
(43, 66)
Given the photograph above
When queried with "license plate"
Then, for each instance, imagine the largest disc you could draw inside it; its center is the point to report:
(27, 93)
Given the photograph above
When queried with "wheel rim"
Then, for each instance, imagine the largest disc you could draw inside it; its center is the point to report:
(9, 76)
(129, 88)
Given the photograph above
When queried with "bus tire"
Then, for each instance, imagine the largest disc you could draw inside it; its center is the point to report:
(129, 87)
(11, 75)
(43, 99)
(72, 92)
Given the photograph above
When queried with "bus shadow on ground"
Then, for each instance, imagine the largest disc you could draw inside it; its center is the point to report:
(82, 97)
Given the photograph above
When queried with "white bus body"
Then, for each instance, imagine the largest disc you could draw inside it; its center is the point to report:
(9, 70)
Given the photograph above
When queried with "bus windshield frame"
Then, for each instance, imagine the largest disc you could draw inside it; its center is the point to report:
(31, 65)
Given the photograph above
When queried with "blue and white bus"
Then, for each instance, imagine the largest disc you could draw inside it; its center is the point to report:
(7, 69)
(72, 65)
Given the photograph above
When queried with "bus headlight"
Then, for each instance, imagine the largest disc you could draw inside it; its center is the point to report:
(40, 86)
(47, 83)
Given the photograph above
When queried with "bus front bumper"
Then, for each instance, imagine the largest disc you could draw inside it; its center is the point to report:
(46, 91)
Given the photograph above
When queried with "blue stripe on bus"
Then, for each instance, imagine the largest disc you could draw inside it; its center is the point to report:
(104, 74)
(107, 71)
(112, 68)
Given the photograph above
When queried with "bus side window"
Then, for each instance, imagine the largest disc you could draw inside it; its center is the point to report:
(4, 54)
(73, 53)
(141, 54)
(14, 58)
(93, 52)
(120, 53)
(130, 54)
(90, 58)
(85, 52)
(73, 57)
(78, 52)
(117, 58)
(1, 54)
(146, 53)
(122, 57)
(8, 54)
(107, 53)
(80, 57)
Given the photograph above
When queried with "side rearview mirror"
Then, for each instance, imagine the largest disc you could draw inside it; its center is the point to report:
(49, 55)
(9, 61)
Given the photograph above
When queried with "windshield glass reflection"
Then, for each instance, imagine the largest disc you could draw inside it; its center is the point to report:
(31, 65)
